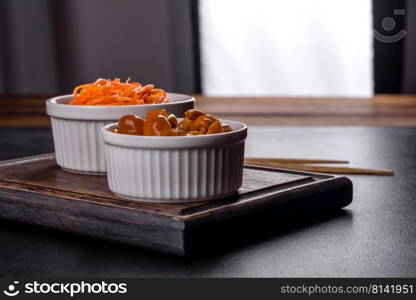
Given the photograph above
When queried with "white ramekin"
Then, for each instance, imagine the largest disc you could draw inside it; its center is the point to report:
(175, 169)
(76, 129)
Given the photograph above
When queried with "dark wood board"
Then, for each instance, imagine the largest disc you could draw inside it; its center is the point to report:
(34, 190)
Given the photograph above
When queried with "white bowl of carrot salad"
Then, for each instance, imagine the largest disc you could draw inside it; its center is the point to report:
(77, 118)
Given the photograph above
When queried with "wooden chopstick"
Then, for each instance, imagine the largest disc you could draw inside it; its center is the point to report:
(321, 169)
(253, 160)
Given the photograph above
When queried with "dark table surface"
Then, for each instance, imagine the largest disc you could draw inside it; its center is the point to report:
(374, 236)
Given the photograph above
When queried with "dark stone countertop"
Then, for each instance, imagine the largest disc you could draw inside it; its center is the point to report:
(375, 236)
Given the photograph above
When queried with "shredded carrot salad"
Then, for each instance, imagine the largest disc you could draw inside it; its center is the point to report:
(115, 92)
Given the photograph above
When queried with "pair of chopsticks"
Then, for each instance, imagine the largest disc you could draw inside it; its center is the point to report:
(305, 164)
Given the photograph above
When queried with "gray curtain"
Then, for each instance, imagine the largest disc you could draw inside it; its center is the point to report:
(48, 46)
(409, 72)
(27, 48)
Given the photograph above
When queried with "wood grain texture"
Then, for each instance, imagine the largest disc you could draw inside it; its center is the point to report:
(35, 190)
(382, 110)
(40, 174)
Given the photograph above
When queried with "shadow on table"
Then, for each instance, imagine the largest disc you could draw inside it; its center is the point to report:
(229, 236)
(213, 242)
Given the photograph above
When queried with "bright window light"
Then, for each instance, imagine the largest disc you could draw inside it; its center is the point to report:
(286, 48)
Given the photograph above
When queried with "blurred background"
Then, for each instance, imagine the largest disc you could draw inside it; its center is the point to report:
(320, 48)
(320, 79)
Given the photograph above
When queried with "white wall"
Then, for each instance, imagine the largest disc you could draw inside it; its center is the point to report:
(286, 48)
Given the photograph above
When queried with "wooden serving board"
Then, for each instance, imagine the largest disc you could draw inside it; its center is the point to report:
(34, 190)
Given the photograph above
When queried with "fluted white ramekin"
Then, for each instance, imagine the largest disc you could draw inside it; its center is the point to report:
(76, 129)
(175, 169)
